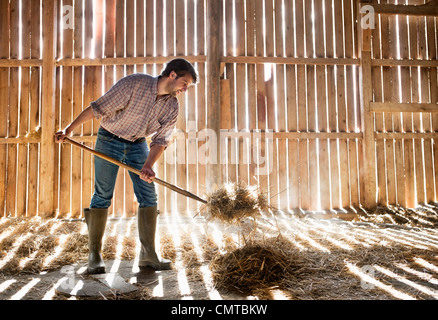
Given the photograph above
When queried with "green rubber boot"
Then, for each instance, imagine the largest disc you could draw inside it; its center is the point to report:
(96, 223)
(147, 224)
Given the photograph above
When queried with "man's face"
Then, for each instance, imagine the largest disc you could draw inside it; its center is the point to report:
(179, 85)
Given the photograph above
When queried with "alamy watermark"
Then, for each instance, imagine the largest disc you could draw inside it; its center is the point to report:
(368, 20)
(368, 271)
(229, 148)
(69, 278)
(67, 20)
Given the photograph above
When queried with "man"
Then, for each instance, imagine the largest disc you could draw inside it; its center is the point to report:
(136, 107)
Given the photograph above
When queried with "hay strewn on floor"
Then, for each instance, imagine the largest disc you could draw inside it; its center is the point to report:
(235, 201)
(303, 259)
(425, 215)
(40, 239)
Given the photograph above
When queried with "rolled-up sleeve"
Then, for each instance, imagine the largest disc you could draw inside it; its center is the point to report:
(114, 100)
(164, 134)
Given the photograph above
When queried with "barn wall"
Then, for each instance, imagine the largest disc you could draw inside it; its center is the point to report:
(310, 102)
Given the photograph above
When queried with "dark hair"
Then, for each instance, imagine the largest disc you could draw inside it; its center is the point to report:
(181, 67)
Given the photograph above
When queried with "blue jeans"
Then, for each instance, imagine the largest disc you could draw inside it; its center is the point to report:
(133, 154)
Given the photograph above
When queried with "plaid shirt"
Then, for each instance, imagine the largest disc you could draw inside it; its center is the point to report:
(130, 110)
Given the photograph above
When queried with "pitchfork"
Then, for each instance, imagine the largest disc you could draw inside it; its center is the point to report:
(136, 171)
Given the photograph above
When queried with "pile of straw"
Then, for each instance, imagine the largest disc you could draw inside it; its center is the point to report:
(255, 266)
(235, 201)
(262, 266)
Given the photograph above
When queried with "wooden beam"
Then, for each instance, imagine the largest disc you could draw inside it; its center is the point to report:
(428, 9)
(225, 134)
(213, 84)
(47, 159)
(23, 140)
(406, 135)
(124, 61)
(403, 107)
(317, 135)
(11, 63)
(404, 63)
(291, 61)
(199, 58)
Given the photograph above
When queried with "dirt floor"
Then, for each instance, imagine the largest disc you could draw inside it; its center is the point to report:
(385, 254)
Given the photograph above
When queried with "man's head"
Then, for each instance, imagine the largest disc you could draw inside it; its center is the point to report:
(180, 74)
(181, 67)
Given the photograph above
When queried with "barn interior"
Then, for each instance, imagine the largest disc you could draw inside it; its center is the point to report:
(321, 113)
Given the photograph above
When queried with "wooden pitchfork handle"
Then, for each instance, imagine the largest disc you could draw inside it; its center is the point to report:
(136, 171)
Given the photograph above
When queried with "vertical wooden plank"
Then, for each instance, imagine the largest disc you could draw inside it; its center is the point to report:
(272, 144)
(403, 185)
(251, 91)
(331, 76)
(304, 194)
(170, 30)
(65, 115)
(160, 47)
(396, 117)
(57, 166)
(232, 160)
(76, 167)
(22, 169)
(4, 98)
(321, 105)
(32, 206)
(11, 185)
(341, 147)
(311, 126)
(342, 104)
(432, 55)
(225, 126)
(378, 117)
(170, 36)
(192, 173)
(46, 203)
(240, 93)
(81, 198)
(349, 17)
(262, 165)
(97, 33)
(140, 36)
(281, 107)
(357, 147)
(181, 125)
(416, 85)
(368, 178)
(84, 14)
(409, 145)
(292, 108)
(213, 83)
(130, 32)
(200, 89)
(426, 117)
(118, 203)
